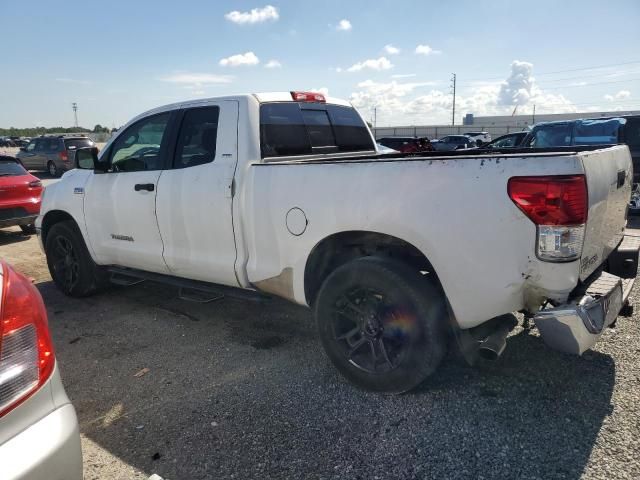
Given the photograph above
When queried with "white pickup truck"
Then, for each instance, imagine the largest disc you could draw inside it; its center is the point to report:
(285, 193)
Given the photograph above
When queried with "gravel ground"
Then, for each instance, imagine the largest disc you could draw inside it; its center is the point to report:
(239, 389)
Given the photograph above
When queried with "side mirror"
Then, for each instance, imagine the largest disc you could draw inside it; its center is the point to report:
(23, 149)
(87, 159)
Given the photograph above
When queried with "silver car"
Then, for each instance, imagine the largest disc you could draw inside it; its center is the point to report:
(39, 437)
(52, 153)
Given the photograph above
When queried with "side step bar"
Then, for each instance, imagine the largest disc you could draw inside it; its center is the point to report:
(189, 290)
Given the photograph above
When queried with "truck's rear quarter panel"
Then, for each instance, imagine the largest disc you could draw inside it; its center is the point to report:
(455, 210)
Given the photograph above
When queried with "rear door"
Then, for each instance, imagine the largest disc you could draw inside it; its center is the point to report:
(29, 157)
(120, 205)
(609, 180)
(195, 195)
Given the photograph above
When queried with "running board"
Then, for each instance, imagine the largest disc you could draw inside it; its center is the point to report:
(189, 290)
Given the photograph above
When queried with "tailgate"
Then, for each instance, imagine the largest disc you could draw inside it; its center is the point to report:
(609, 177)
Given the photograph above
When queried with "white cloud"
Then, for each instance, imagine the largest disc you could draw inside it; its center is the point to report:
(621, 95)
(403, 75)
(73, 80)
(391, 50)
(403, 103)
(197, 78)
(256, 15)
(516, 89)
(381, 63)
(273, 64)
(344, 25)
(247, 58)
(426, 50)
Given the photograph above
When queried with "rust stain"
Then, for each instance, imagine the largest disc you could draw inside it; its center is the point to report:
(280, 285)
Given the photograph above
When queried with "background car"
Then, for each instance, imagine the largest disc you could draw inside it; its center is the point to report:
(6, 142)
(39, 436)
(479, 137)
(407, 144)
(506, 141)
(20, 195)
(51, 153)
(453, 142)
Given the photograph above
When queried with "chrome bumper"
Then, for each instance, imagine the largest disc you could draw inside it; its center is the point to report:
(577, 325)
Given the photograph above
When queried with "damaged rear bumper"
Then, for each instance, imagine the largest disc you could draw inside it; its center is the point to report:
(578, 324)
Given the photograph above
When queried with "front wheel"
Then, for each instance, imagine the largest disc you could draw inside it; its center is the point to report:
(382, 324)
(70, 265)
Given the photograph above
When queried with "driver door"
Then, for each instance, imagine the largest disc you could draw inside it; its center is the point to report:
(120, 204)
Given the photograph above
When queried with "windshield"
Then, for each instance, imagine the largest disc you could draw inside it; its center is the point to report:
(9, 167)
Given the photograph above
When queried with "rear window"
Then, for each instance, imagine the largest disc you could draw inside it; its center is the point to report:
(9, 167)
(73, 143)
(553, 135)
(304, 129)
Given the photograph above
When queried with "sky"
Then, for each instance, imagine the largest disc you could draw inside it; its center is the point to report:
(117, 59)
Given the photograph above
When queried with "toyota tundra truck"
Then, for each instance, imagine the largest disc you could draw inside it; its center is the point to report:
(286, 194)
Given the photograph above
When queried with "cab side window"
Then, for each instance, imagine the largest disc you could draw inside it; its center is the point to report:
(197, 137)
(140, 146)
(32, 145)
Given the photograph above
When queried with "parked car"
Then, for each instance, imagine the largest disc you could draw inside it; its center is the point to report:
(299, 204)
(590, 131)
(20, 194)
(6, 142)
(453, 142)
(479, 137)
(407, 144)
(39, 436)
(507, 141)
(51, 153)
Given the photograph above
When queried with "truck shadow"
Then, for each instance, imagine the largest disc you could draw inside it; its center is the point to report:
(243, 388)
(7, 237)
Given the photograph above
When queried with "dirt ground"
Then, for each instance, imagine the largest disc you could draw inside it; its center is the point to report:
(241, 389)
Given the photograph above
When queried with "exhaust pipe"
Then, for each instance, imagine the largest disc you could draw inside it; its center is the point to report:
(488, 340)
(494, 344)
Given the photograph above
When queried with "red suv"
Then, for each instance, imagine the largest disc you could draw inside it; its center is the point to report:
(20, 195)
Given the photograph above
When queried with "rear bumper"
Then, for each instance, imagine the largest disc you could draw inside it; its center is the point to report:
(578, 324)
(47, 450)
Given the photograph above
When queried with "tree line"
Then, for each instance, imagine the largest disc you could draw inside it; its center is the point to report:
(35, 131)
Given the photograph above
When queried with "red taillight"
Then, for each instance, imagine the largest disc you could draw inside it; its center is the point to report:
(35, 184)
(63, 156)
(26, 351)
(308, 97)
(551, 200)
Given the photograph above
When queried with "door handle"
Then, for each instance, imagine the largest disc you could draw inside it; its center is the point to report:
(622, 175)
(149, 187)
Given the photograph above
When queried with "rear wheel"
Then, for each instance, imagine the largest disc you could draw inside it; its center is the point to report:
(382, 324)
(52, 169)
(70, 265)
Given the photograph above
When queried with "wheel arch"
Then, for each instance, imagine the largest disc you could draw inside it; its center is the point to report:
(51, 218)
(339, 248)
